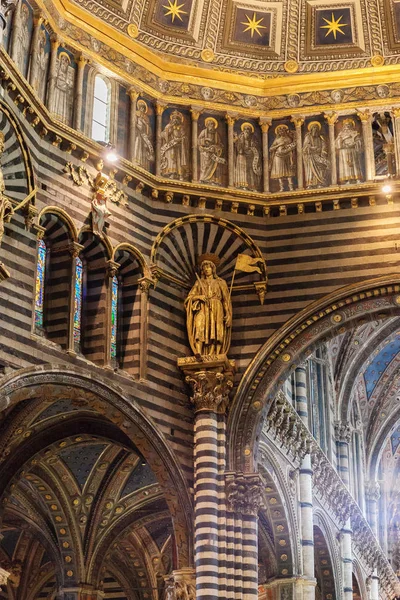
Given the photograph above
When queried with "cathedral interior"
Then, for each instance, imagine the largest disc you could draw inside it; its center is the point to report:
(199, 299)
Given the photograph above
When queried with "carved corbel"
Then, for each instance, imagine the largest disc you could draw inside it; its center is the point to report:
(244, 493)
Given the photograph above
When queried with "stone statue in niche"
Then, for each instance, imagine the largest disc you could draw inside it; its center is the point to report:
(99, 210)
(63, 92)
(39, 84)
(315, 156)
(175, 148)
(349, 147)
(211, 150)
(248, 169)
(383, 142)
(143, 151)
(209, 311)
(22, 41)
(283, 157)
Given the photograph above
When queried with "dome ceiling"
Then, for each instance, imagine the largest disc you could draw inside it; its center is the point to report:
(221, 39)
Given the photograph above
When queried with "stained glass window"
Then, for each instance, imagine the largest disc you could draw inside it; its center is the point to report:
(78, 303)
(40, 278)
(114, 318)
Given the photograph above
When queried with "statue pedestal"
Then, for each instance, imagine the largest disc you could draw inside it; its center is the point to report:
(216, 362)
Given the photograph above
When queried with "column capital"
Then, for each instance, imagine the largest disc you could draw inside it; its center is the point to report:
(210, 390)
(75, 249)
(244, 493)
(364, 116)
(38, 18)
(195, 111)
(265, 123)
(134, 93)
(297, 121)
(55, 42)
(331, 118)
(160, 107)
(144, 284)
(342, 432)
(372, 491)
(231, 118)
(112, 268)
(395, 112)
(180, 584)
(81, 60)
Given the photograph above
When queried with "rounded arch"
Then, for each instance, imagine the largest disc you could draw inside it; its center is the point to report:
(326, 569)
(119, 408)
(124, 246)
(358, 579)
(64, 217)
(105, 239)
(323, 319)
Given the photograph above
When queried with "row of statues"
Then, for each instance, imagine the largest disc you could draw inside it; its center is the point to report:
(248, 155)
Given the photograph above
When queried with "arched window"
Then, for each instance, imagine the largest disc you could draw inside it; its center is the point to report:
(101, 110)
(39, 292)
(78, 303)
(114, 319)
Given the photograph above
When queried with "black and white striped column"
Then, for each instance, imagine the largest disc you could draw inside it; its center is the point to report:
(210, 398)
(300, 375)
(343, 435)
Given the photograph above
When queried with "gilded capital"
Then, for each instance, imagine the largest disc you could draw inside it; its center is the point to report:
(244, 493)
(210, 390)
(297, 121)
(133, 93)
(112, 268)
(144, 284)
(160, 108)
(55, 42)
(230, 119)
(195, 112)
(395, 112)
(365, 116)
(265, 124)
(331, 118)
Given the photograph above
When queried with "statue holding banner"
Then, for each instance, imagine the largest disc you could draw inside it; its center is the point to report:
(209, 311)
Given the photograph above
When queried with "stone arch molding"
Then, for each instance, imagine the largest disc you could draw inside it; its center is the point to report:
(177, 247)
(343, 309)
(112, 403)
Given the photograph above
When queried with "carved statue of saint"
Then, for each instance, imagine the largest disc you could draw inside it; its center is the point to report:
(175, 148)
(39, 84)
(248, 168)
(100, 211)
(315, 156)
(64, 83)
(143, 151)
(169, 591)
(349, 147)
(209, 312)
(211, 150)
(22, 41)
(283, 157)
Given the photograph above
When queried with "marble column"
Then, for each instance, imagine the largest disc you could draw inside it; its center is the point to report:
(343, 436)
(73, 344)
(230, 119)
(55, 43)
(372, 495)
(300, 375)
(244, 499)
(366, 122)
(37, 24)
(160, 107)
(307, 528)
(195, 112)
(395, 113)
(374, 586)
(298, 122)
(265, 125)
(133, 95)
(331, 119)
(347, 561)
(144, 287)
(210, 384)
(77, 122)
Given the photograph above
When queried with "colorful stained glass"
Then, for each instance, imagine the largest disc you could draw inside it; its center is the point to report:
(78, 303)
(40, 277)
(114, 317)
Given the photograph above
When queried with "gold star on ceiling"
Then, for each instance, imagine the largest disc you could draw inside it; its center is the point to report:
(174, 9)
(334, 26)
(253, 25)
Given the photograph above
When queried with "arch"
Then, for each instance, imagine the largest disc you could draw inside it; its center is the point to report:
(325, 571)
(323, 319)
(135, 252)
(105, 239)
(64, 216)
(358, 581)
(110, 402)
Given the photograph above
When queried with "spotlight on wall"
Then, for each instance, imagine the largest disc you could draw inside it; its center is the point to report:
(386, 189)
(110, 154)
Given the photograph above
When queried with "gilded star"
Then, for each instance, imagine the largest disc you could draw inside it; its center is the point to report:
(334, 26)
(174, 9)
(253, 25)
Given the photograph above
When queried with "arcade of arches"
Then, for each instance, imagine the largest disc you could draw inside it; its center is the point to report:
(199, 300)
